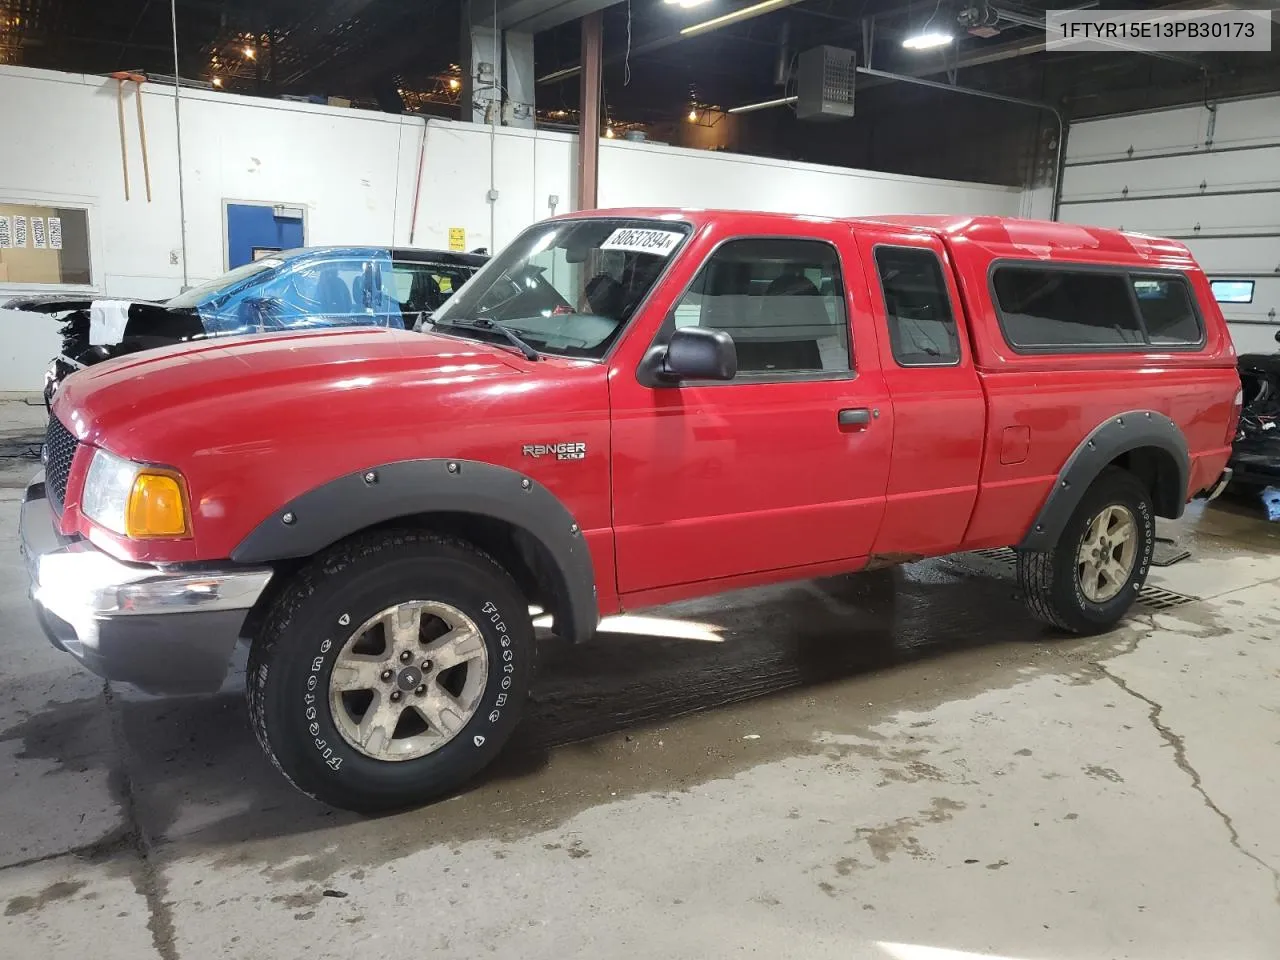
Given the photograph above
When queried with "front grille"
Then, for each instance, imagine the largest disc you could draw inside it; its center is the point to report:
(59, 450)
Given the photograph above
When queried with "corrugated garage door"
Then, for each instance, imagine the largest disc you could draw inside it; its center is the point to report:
(1207, 177)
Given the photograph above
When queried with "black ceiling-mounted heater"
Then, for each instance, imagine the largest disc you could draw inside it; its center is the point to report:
(824, 84)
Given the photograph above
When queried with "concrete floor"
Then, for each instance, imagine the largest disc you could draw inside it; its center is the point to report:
(902, 767)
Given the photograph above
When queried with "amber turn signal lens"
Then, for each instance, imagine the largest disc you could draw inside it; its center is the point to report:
(157, 507)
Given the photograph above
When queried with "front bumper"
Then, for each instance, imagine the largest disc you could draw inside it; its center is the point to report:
(165, 630)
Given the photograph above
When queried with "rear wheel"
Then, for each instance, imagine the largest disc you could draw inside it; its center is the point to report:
(1091, 577)
(391, 670)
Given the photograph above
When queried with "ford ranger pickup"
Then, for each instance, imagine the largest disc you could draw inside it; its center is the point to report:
(620, 409)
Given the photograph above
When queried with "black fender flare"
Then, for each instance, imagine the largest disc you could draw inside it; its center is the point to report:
(1119, 435)
(377, 495)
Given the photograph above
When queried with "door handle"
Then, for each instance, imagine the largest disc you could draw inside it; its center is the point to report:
(854, 417)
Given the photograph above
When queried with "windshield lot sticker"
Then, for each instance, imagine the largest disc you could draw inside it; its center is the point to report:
(660, 243)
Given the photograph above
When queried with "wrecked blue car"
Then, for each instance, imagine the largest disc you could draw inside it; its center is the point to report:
(314, 287)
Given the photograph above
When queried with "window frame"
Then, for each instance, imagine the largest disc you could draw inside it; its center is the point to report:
(1253, 287)
(662, 337)
(946, 289)
(427, 265)
(1129, 274)
(94, 244)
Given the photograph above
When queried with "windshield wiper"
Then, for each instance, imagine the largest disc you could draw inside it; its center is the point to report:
(484, 323)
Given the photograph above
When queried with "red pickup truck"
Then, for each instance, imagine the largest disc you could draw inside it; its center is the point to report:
(621, 409)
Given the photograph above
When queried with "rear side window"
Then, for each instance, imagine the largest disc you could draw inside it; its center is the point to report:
(1084, 310)
(1167, 310)
(922, 328)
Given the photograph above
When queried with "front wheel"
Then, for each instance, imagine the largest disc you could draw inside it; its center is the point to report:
(1092, 576)
(391, 670)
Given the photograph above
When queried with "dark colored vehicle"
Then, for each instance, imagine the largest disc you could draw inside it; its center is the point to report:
(292, 290)
(1255, 456)
(622, 409)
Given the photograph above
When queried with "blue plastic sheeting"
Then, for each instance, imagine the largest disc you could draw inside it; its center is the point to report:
(1271, 500)
(299, 289)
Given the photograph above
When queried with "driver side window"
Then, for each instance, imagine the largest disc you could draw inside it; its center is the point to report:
(781, 300)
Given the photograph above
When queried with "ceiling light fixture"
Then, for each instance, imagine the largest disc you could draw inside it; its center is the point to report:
(454, 83)
(685, 4)
(693, 116)
(927, 40)
(217, 81)
(734, 16)
(250, 52)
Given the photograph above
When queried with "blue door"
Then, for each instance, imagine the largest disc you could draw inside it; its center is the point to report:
(255, 229)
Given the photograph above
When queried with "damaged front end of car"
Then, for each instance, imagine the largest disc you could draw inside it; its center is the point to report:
(93, 330)
(1255, 458)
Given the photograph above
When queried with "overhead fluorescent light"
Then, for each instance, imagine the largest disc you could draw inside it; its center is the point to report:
(927, 40)
(685, 4)
(734, 16)
(762, 105)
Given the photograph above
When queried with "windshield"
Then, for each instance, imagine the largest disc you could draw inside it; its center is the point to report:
(567, 287)
(193, 297)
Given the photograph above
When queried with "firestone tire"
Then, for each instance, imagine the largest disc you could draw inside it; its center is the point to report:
(1051, 580)
(291, 665)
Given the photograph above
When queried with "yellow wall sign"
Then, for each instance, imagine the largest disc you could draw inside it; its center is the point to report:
(457, 238)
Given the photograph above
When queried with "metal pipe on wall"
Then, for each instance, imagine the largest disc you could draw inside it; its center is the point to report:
(177, 122)
(1038, 105)
(1063, 126)
(589, 110)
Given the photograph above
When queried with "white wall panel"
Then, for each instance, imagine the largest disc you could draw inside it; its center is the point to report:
(652, 175)
(1232, 124)
(1166, 175)
(1237, 255)
(1182, 216)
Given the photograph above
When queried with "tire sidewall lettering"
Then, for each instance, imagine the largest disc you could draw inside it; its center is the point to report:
(1143, 518)
(334, 749)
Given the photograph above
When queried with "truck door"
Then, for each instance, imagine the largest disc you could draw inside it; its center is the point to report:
(938, 405)
(782, 467)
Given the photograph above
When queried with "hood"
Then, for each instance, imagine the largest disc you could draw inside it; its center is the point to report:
(240, 375)
(63, 303)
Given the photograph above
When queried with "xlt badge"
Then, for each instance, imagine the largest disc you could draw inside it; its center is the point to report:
(561, 451)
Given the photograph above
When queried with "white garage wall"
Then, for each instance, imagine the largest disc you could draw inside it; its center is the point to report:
(651, 175)
(1210, 178)
(354, 173)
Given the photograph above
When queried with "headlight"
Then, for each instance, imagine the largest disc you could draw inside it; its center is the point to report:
(134, 499)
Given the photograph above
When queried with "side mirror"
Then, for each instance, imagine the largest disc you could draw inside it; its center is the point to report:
(698, 353)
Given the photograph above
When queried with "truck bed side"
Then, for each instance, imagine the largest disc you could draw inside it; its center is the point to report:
(1042, 407)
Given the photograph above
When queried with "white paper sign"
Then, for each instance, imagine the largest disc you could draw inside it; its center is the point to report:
(6, 238)
(55, 233)
(107, 319)
(660, 243)
(19, 231)
(37, 232)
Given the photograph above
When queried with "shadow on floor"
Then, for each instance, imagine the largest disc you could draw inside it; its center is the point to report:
(196, 772)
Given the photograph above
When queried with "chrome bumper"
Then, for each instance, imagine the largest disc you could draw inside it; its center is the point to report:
(165, 630)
